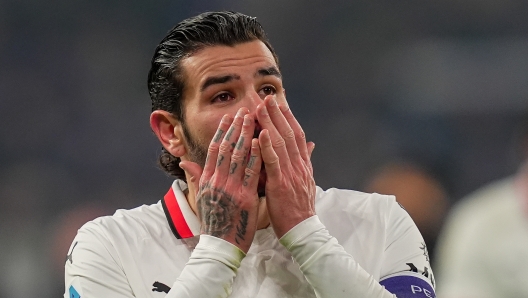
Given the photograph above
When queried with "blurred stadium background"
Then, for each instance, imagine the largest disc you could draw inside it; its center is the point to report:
(437, 84)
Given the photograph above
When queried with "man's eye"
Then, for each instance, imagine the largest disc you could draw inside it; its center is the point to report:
(267, 90)
(223, 97)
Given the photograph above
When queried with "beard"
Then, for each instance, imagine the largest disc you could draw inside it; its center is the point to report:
(197, 152)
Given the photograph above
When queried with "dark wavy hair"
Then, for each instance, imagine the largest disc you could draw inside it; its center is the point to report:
(165, 79)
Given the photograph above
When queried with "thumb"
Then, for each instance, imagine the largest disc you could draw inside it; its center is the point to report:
(194, 172)
(311, 147)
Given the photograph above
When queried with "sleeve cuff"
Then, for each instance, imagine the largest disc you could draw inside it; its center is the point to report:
(301, 231)
(210, 247)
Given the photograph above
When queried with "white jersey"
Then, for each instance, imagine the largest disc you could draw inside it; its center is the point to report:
(484, 245)
(358, 245)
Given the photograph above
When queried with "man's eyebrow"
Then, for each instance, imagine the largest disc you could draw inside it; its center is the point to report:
(218, 80)
(270, 71)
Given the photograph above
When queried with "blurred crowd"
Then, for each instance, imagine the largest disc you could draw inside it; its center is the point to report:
(423, 100)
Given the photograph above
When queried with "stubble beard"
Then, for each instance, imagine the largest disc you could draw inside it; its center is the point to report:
(197, 152)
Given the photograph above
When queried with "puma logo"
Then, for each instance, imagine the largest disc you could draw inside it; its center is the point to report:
(70, 256)
(159, 287)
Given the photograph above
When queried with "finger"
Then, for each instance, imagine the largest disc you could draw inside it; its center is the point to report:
(252, 169)
(212, 151)
(276, 140)
(242, 148)
(194, 172)
(311, 147)
(269, 156)
(283, 127)
(229, 143)
(300, 137)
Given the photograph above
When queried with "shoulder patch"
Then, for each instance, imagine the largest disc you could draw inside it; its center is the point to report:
(409, 285)
(74, 290)
(73, 293)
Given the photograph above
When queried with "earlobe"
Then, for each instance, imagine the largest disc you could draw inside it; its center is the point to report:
(169, 132)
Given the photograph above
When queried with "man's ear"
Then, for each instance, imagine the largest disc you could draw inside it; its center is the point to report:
(169, 131)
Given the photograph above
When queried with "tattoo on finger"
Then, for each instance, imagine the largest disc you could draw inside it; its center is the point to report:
(251, 161)
(220, 160)
(219, 134)
(246, 157)
(240, 143)
(233, 168)
(246, 177)
(229, 133)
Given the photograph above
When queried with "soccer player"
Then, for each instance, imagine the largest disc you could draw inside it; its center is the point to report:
(483, 248)
(244, 217)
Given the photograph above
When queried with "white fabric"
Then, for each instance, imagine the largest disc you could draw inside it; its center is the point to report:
(355, 240)
(483, 250)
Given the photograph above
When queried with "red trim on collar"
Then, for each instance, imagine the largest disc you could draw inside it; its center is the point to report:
(175, 216)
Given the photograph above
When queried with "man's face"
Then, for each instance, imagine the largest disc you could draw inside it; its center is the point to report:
(219, 80)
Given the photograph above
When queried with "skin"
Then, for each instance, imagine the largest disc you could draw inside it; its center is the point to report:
(228, 91)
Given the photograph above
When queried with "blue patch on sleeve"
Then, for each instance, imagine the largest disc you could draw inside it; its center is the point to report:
(405, 286)
(73, 293)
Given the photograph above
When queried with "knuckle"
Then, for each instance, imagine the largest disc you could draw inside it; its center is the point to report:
(279, 142)
(237, 156)
(273, 160)
(250, 172)
(274, 111)
(212, 150)
(213, 146)
(301, 135)
(289, 134)
(224, 147)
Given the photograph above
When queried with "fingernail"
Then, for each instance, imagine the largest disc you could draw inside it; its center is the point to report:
(224, 118)
(247, 121)
(272, 102)
(240, 113)
(264, 111)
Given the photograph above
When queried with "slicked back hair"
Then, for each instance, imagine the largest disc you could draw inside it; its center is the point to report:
(165, 79)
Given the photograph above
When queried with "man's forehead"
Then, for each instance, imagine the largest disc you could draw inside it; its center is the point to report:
(222, 58)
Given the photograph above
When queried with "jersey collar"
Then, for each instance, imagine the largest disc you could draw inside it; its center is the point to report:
(182, 220)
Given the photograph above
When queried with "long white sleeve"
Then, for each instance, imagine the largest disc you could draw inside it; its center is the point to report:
(210, 271)
(135, 254)
(330, 270)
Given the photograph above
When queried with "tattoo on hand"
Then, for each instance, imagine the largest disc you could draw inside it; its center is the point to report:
(241, 227)
(251, 161)
(246, 157)
(218, 135)
(229, 133)
(220, 159)
(216, 210)
(240, 143)
(233, 168)
(246, 177)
